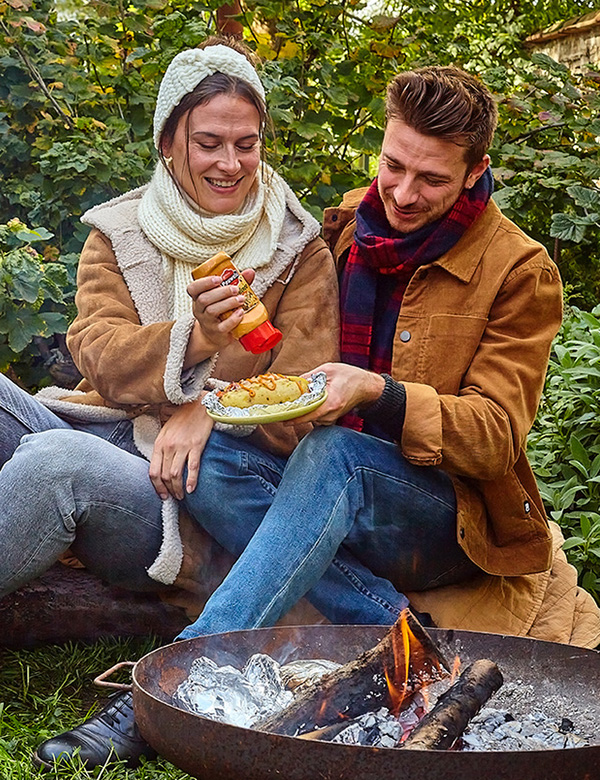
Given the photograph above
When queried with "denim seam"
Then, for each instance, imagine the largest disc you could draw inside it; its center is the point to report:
(124, 510)
(271, 489)
(358, 585)
(50, 534)
(409, 484)
(308, 555)
(22, 420)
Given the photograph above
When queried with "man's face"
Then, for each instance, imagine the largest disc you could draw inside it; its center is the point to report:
(420, 176)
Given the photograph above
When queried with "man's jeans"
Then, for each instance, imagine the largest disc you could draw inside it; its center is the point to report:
(61, 487)
(346, 518)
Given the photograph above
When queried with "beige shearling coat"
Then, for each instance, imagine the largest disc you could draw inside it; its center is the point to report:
(131, 354)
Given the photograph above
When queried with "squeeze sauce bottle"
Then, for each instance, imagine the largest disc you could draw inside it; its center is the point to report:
(255, 332)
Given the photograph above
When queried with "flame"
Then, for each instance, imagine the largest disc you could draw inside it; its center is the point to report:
(455, 669)
(397, 678)
(322, 710)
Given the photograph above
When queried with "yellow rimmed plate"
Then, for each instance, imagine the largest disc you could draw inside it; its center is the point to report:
(271, 413)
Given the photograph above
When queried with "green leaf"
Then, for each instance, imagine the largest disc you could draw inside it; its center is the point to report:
(584, 196)
(567, 228)
(26, 286)
(22, 326)
(586, 525)
(539, 58)
(505, 197)
(573, 541)
(579, 452)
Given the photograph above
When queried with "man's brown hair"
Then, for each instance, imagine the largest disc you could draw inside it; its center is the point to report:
(447, 103)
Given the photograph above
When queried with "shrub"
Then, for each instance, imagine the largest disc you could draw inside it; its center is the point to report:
(36, 300)
(564, 445)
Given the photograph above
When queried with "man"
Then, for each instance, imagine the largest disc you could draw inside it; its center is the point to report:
(421, 492)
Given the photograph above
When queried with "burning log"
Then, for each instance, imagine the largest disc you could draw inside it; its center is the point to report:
(441, 727)
(401, 663)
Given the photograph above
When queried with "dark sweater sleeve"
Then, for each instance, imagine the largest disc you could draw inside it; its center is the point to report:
(388, 410)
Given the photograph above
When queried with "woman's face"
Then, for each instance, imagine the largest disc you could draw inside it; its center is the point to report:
(224, 153)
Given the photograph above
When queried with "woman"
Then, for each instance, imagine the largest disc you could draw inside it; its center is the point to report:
(75, 464)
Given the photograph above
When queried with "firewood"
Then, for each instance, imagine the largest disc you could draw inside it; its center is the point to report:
(441, 727)
(379, 677)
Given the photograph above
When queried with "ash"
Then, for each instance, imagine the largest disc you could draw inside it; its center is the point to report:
(525, 720)
(524, 717)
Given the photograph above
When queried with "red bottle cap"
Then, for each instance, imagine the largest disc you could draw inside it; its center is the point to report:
(261, 339)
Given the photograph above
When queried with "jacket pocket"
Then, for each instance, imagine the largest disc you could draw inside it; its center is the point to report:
(449, 345)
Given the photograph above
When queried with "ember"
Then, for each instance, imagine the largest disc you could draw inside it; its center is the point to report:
(258, 697)
(405, 660)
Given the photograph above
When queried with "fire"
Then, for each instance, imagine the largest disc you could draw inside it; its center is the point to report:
(455, 669)
(397, 678)
(408, 655)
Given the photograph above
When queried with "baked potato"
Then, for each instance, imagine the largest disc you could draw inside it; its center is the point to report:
(263, 389)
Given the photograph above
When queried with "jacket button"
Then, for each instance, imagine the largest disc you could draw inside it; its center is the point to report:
(405, 335)
(334, 217)
(527, 507)
(462, 533)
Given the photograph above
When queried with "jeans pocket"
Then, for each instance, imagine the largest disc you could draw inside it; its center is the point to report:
(267, 472)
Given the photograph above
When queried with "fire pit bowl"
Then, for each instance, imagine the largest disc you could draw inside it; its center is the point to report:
(209, 750)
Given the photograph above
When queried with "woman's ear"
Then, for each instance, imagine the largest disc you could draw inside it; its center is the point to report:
(165, 148)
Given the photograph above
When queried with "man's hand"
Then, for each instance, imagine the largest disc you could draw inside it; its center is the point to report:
(181, 440)
(347, 387)
(211, 301)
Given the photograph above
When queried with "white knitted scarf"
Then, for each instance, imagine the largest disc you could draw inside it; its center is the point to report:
(187, 236)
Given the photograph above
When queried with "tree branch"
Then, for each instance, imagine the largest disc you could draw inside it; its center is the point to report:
(535, 131)
(36, 75)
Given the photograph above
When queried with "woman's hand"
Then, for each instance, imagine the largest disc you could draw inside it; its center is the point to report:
(211, 301)
(347, 387)
(181, 441)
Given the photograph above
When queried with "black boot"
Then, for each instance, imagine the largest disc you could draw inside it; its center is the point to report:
(111, 734)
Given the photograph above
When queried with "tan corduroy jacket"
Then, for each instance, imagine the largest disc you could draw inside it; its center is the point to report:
(471, 346)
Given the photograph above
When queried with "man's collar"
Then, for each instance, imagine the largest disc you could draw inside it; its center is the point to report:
(462, 260)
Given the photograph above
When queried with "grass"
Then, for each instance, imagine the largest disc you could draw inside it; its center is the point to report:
(49, 690)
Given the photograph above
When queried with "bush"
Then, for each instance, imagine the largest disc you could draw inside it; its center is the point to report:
(77, 97)
(564, 445)
(36, 300)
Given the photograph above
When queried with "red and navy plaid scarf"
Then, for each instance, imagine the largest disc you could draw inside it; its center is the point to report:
(380, 265)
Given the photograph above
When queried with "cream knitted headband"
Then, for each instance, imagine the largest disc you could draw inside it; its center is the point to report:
(189, 68)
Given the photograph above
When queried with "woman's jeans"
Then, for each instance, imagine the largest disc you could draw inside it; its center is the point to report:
(77, 486)
(346, 521)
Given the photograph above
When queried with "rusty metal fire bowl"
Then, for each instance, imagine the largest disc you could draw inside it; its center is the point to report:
(209, 750)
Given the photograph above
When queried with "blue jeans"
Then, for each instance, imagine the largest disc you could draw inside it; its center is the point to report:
(346, 521)
(62, 487)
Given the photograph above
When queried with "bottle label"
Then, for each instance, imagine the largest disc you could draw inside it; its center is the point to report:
(232, 276)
